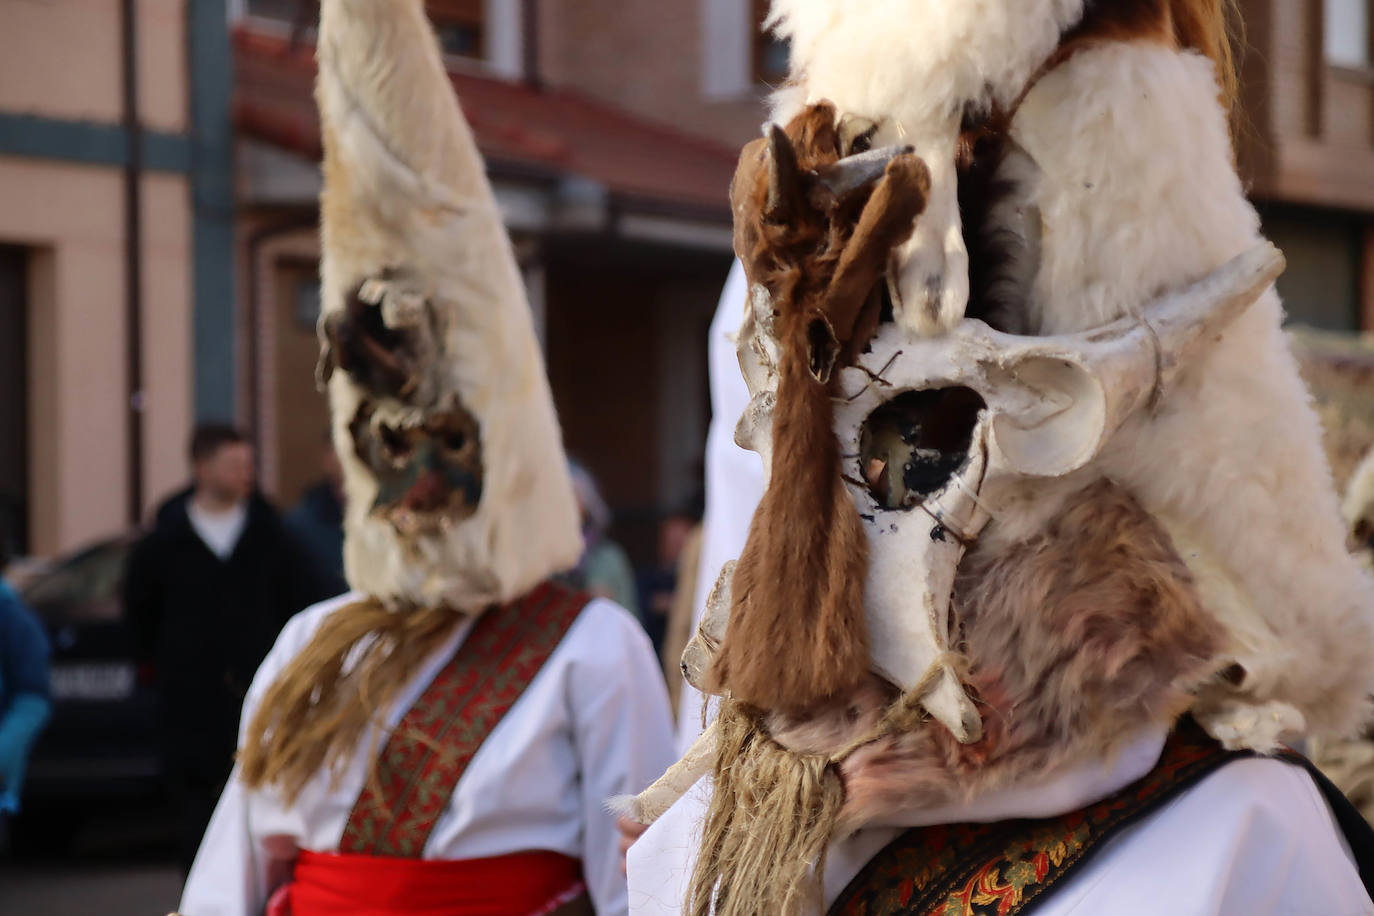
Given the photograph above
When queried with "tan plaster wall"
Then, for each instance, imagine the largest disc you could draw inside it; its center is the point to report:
(162, 71)
(167, 333)
(72, 218)
(61, 59)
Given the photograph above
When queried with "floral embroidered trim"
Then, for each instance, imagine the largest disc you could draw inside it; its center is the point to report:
(436, 740)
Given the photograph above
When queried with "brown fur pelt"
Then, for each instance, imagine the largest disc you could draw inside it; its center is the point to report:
(314, 714)
(1076, 639)
(799, 581)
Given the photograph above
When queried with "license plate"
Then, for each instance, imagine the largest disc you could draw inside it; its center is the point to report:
(112, 681)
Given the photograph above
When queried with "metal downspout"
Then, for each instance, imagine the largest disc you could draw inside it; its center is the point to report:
(133, 260)
(210, 67)
(529, 41)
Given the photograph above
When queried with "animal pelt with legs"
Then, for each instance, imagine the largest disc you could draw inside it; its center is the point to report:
(818, 242)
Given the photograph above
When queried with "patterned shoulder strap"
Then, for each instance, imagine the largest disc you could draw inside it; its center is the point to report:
(437, 738)
(1001, 869)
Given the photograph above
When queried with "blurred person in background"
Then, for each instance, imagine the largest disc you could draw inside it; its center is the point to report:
(24, 691)
(658, 583)
(677, 626)
(604, 569)
(317, 520)
(207, 590)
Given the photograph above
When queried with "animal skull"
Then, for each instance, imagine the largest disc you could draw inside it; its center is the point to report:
(960, 415)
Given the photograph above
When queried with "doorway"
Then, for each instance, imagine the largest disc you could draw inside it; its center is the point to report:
(14, 400)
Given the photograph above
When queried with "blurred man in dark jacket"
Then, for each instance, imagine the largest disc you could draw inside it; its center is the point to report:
(317, 520)
(208, 590)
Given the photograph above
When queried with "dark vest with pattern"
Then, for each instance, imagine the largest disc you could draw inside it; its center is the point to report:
(1005, 868)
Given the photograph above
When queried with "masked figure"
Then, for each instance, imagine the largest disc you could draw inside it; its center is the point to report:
(1048, 547)
(444, 737)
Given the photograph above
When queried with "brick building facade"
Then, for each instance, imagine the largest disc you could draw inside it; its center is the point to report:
(611, 128)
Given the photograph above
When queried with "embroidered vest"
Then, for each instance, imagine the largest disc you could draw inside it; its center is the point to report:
(1001, 869)
(429, 750)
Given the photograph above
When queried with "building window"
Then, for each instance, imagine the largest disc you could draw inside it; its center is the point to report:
(460, 25)
(1347, 32)
(280, 10)
(1320, 287)
(771, 53)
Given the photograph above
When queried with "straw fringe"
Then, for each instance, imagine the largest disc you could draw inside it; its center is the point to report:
(313, 715)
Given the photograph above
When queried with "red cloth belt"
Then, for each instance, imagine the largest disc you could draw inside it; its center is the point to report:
(520, 884)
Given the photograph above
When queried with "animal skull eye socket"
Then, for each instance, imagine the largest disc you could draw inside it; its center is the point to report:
(912, 445)
(452, 431)
(396, 443)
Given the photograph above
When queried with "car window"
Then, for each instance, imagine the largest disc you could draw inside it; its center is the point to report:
(82, 587)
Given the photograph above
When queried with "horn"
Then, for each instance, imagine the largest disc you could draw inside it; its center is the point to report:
(853, 172)
(784, 177)
(1073, 391)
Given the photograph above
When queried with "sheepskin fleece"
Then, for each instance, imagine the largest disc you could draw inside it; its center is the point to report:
(1137, 194)
(405, 189)
(937, 56)
(939, 60)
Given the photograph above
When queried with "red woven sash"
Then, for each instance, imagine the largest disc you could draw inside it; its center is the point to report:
(431, 747)
(522, 884)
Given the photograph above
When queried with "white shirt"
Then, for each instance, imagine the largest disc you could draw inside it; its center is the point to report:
(1255, 838)
(594, 723)
(734, 476)
(219, 530)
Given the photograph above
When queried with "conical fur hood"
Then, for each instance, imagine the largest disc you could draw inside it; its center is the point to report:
(456, 480)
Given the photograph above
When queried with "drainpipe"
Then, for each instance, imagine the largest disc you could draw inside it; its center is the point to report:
(210, 70)
(133, 262)
(529, 27)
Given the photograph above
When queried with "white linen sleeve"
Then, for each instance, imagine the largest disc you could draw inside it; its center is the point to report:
(622, 729)
(228, 877)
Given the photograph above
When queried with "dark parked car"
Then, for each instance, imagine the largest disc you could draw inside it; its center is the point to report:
(100, 751)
